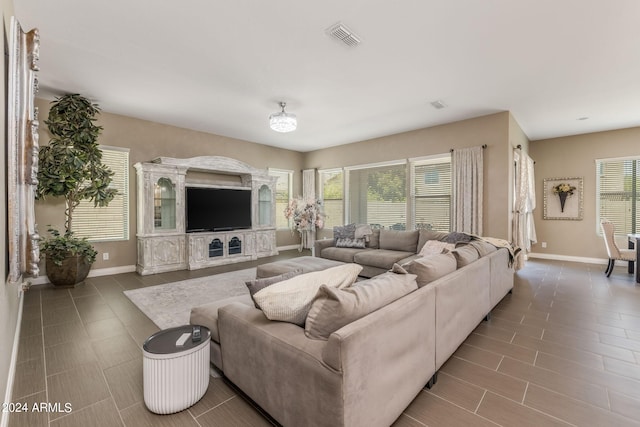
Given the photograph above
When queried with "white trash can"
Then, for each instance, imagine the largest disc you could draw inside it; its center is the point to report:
(175, 369)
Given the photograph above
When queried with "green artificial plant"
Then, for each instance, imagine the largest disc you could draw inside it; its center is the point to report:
(71, 167)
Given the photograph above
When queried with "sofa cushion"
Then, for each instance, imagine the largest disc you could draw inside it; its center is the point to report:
(334, 308)
(381, 258)
(425, 235)
(397, 240)
(374, 239)
(483, 248)
(341, 254)
(207, 315)
(432, 247)
(290, 300)
(306, 263)
(344, 231)
(428, 269)
(259, 284)
(348, 242)
(465, 255)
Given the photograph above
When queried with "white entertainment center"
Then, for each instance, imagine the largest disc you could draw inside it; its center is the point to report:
(163, 243)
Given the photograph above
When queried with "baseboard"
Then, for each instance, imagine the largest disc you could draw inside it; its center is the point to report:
(288, 248)
(4, 418)
(42, 280)
(555, 257)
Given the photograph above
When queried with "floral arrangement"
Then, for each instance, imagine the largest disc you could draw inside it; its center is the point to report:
(305, 214)
(564, 189)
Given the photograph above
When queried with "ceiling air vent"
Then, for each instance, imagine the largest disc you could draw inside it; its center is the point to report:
(438, 104)
(342, 33)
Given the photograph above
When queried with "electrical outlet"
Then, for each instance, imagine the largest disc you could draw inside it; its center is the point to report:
(544, 245)
(105, 256)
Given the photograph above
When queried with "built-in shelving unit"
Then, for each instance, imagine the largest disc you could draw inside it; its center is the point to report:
(163, 244)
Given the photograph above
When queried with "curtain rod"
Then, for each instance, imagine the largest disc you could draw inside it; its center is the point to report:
(519, 147)
(484, 146)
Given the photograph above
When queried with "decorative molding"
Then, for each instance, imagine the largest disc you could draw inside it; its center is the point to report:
(218, 164)
(22, 152)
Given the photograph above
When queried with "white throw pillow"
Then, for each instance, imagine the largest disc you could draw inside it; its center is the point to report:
(433, 247)
(291, 299)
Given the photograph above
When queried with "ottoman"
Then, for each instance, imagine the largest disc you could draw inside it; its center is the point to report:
(306, 263)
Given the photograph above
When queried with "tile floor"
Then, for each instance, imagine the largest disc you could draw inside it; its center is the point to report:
(563, 349)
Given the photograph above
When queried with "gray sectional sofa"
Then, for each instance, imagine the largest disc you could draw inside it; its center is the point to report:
(383, 249)
(368, 371)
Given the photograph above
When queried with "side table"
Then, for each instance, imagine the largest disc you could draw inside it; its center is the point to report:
(175, 373)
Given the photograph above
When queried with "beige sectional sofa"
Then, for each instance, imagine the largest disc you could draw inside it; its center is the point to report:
(369, 370)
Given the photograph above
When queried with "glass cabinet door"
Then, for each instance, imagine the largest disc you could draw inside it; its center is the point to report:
(264, 205)
(164, 205)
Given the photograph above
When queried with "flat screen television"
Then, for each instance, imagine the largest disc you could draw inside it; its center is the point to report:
(217, 209)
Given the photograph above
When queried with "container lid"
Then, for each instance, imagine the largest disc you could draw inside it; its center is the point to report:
(164, 342)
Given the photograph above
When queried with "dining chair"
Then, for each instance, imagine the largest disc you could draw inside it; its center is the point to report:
(615, 253)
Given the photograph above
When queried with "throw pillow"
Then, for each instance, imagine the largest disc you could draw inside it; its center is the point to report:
(334, 308)
(363, 231)
(483, 248)
(432, 247)
(344, 232)
(290, 300)
(348, 242)
(397, 240)
(259, 284)
(432, 268)
(465, 255)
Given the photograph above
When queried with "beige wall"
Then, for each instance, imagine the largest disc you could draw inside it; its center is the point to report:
(146, 141)
(492, 130)
(575, 156)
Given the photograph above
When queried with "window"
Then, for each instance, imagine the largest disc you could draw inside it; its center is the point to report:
(432, 193)
(377, 195)
(332, 193)
(618, 195)
(283, 194)
(109, 222)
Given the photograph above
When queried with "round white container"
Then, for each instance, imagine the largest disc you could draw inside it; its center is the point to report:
(175, 377)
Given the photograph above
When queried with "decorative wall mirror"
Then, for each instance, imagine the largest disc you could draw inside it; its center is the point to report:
(22, 153)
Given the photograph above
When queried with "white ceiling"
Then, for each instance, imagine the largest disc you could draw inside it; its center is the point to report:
(222, 66)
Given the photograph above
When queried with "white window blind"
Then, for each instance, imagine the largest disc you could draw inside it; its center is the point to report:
(109, 222)
(378, 196)
(432, 194)
(283, 194)
(332, 191)
(618, 193)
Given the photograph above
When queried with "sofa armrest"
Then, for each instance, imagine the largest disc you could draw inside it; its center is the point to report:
(392, 348)
(319, 245)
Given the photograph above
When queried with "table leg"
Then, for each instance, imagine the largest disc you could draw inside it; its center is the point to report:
(637, 245)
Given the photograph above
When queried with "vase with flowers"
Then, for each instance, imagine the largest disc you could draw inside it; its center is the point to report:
(306, 215)
(563, 190)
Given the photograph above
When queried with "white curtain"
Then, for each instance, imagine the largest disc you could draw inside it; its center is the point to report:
(524, 230)
(308, 193)
(468, 190)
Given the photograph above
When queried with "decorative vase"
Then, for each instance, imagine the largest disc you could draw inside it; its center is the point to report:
(563, 199)
(73, 270)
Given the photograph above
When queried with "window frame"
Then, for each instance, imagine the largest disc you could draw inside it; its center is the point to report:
(321, 189)
(635, 227)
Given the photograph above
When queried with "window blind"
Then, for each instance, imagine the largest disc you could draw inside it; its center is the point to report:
(618, 193)
(283, 195)
(109, 222)
(332, 190)
(432, 194)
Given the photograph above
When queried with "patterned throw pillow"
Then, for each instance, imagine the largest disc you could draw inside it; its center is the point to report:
(344, 232)
(348, 242)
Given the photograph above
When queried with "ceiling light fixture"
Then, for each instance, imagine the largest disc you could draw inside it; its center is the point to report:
(283, 122)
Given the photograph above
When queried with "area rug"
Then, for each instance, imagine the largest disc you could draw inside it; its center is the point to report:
(170, 304)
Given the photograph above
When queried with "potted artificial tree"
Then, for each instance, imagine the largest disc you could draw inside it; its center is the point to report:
(71, 167)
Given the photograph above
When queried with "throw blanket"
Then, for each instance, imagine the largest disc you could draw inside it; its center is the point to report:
(498, 243)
